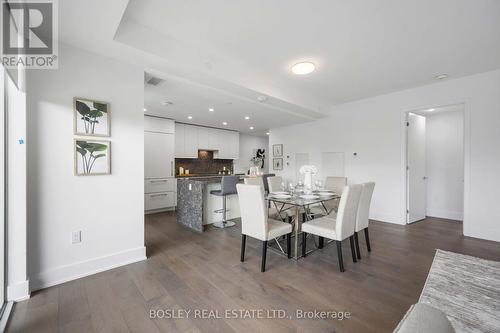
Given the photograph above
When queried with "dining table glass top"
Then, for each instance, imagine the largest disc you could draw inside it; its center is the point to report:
(301, 199)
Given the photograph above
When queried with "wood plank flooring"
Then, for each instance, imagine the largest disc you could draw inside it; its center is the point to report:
(186, 270)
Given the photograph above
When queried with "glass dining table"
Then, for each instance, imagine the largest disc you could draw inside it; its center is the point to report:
(300, 205)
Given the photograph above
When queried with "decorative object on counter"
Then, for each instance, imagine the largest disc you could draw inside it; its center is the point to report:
(277, 150)
(186, 172)
(277, 164)
(255, 163)
(308, 171)
(91, 118)
(92, 157)
(181, 171)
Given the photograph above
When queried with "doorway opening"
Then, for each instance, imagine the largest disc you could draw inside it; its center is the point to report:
(435, 158)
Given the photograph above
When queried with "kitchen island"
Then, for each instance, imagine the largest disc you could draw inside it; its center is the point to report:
(196, 206)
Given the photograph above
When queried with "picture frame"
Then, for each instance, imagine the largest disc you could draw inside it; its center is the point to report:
(92, 157)
(278, 150)
(91, 117)
(277, 164)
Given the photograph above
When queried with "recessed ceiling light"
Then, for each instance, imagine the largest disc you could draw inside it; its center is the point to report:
(251, 127)
(303, 68)
(211, 110)
(267, 133)
(190, 117)
(247, 118)
(441, 76)
(224, 123)
(430, 110)
(145, 109)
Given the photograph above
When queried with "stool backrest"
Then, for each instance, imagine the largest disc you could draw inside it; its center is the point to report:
(348, 208)
(228, 184)
(253, 211)
(364, 206)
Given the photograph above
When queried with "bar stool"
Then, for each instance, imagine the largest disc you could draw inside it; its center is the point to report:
(228, 187)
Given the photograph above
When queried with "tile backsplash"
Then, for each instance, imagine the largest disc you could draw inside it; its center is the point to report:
(205, 164)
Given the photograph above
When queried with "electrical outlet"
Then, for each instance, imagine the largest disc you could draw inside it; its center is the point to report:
(76, 237)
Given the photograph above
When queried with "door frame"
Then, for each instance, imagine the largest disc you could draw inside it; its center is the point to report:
(404, 158)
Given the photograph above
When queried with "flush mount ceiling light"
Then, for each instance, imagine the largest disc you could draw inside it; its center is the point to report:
(211, 110)
(190, 117)
(441, 76)
(247, 118)
(224, 123)
(251, 127)
(303, 68)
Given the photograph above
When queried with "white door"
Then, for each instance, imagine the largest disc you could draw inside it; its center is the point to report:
(2, 188)
(158, 155)
(416, 163)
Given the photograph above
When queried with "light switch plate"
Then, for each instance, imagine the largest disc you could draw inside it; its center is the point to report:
(76, 237)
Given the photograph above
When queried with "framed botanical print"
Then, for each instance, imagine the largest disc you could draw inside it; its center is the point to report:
(91, 118)
(277, 150)
(92, 157)
(277, 164)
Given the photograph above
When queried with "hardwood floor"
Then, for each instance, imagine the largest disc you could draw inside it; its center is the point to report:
(186, 270)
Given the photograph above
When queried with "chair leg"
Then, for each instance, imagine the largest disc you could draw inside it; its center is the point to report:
(367, 237)
(321, 242)
(353, 250)
(243, 244)
(356, 240)
(289, 245)
(304, 236)
(339, 253)
(264, 253)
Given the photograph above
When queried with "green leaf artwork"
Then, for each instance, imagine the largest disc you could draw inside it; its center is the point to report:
(87, 151)
(91, 113)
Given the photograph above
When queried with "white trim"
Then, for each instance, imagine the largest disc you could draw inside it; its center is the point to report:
(85, 268)
(19, 291)
(5, 316)
(387, 218)
(446, 214)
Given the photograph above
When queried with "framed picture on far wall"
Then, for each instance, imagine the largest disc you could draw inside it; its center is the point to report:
(277, 164)
(277, 150)
(92, 157)
(91, 118)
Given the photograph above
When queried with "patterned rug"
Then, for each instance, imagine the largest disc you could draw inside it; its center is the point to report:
(466, 289)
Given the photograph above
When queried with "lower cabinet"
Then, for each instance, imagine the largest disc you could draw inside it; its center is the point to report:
(160, 194)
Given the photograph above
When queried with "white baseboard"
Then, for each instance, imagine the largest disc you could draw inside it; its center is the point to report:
(19, 291)
(445, 214)
(387, 218)
(85, 268)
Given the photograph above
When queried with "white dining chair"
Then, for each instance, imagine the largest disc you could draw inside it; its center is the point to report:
(335, 184)
(256, 223)
(284, 215)
(274, 184)
(363, 215)
(339, 228)
(254, 181)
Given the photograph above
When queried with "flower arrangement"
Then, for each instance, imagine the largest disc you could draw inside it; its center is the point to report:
(308, 169)
(256, 161)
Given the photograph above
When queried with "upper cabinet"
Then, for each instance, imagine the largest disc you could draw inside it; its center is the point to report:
(189, 139)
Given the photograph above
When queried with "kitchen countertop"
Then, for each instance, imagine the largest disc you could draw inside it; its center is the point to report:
(206, 179)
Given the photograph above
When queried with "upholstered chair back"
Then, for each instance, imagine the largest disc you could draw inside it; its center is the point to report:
(364, 206)
(254, 181)
(253, 211)
(348, 208)
(336, 184)
(274, 183)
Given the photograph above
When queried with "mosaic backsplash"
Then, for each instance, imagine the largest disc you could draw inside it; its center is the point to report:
(203, 165)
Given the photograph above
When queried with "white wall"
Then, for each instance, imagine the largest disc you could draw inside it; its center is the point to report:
(107, 209)
(374, 129)
(247, 145)
(445, 164)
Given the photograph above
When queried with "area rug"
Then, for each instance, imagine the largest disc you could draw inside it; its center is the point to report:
(466, 289)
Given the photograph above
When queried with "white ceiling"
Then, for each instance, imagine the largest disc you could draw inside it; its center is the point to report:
(243, 49)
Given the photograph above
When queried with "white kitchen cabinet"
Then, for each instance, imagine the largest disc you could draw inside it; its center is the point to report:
(214, 138)
(160, 187)
(160, 125)
(180, 130)
(203, 135)
(158, 155)
(191, 141)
